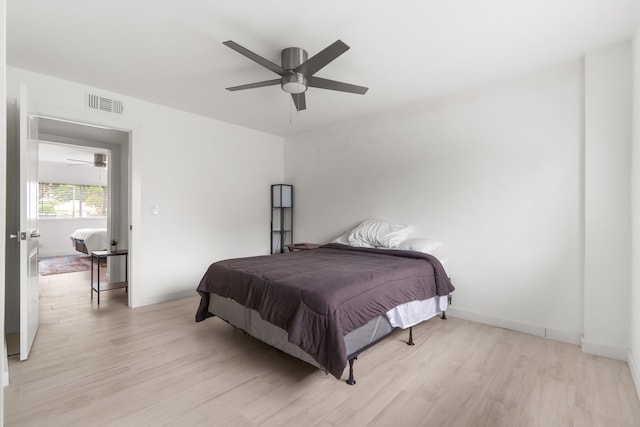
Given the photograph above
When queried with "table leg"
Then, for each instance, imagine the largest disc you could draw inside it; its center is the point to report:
(98, 280)
(91, 287)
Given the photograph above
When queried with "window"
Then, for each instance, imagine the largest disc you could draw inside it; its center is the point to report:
(71, 201)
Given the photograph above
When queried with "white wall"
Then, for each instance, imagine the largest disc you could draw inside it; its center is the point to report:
(495, 173)
(209, 179)
(608, 88)
(634, 353)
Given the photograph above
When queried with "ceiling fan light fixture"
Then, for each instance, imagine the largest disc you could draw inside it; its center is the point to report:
(294, 83)
(100, 160)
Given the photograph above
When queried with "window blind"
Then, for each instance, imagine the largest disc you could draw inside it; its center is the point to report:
(57, 200)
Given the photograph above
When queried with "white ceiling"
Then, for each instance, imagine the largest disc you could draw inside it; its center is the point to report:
(170, 52)
(67, 154)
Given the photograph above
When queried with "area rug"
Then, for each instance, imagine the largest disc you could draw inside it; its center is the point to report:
(64, 264)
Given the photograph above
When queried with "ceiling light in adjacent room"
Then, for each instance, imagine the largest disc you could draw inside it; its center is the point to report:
(100, 160)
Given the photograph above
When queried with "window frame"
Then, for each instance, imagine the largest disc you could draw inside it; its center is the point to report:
(79, 197)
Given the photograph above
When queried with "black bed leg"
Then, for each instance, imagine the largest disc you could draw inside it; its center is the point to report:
(410, 342)
(444, 315)
(351, 381)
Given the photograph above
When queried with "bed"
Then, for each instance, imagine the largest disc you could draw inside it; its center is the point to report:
(325, 306)
(87, 240)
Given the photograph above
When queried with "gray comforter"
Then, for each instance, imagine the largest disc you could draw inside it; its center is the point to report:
(320, 295)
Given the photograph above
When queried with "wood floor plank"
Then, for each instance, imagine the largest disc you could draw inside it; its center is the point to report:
(154, 365)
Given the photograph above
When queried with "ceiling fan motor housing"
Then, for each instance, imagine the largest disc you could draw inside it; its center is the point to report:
(291, 57)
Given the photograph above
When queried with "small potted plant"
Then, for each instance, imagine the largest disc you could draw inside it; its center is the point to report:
(114, 245)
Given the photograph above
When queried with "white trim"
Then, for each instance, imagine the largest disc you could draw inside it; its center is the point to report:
(75, 122)
(597, 349)
(5, 366)
(496, 321)
(155, 299)
(635, 373)
(527, 328)
(564, 336)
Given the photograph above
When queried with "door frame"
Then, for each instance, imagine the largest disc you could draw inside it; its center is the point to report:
(132, 191)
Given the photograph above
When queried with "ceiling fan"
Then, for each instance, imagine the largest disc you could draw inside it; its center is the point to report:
(99, 161)
(297, 72)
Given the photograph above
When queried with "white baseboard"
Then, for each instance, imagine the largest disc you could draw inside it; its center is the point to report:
(564, 336)
(604, 350)
(635, 373)
(155, 299)
(5, 365)
(527, 328)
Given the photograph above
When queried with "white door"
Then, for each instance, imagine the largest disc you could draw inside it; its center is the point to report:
(29, 233)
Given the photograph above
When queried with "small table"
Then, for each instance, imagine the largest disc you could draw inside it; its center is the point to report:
(303, 246)
(98, 255)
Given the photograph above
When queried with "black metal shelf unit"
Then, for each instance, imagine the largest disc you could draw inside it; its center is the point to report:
(281, 217)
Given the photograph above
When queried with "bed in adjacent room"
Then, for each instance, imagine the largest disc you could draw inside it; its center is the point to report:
(87, 240)
(326, 305)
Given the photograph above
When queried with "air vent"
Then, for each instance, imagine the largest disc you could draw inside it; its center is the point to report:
(101, 103)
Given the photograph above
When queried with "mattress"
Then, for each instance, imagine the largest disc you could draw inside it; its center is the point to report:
(95, 239)
(319, 296)
(355, 341)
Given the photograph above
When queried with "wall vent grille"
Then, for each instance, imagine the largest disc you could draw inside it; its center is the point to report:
(101, 103)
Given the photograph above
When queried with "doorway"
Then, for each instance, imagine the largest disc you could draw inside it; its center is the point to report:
(73, 198)
(95, 139)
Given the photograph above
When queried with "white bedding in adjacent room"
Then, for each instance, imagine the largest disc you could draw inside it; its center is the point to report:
(95, 239)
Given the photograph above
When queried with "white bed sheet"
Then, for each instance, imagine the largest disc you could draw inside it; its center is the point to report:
(414, 312)
(95, 239)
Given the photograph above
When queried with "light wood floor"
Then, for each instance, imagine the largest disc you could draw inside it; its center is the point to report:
(154, 366)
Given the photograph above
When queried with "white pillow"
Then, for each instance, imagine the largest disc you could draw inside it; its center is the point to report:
(420, 244)
(379, 233)
(342, 239)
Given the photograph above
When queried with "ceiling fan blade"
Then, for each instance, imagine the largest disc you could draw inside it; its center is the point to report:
(255, 57)
(78, 160)
(322, 58)
(300, 101)
(334, 85)
(254, 85)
